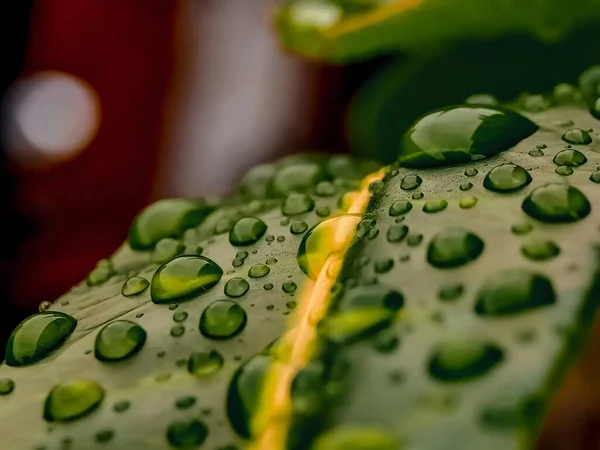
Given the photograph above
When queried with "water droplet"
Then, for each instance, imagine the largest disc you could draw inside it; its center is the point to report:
(463, 359)
(514, 291)
(410, 182)
(595, 177)
(247, 231)
(468, 202)
(185, 402)
(222, 319)
(453, 248)
(255, 183)
(375, 296)
(101, 273)
(184, 277)
(187, 434)
(43, 306)
(356, 437)
(258, 271)
(471, 172)
(536, 153)
(236, 287)
(323, 211)
(465, 186)
(244, 394)
(297, 203)
(569, 157)
(540, 249)
(564, 171)
(119, 340)
(396, 232)
(344, 328)
(38, 335)
(323, 240)
(375, 186)
(121, 406)
(177, 331)
(134, 286)
(166, 249)
(104, 436)
(202, 364)
(481, 99)
(223, 225)
(325, 189)
(418, 195)
(289, 287)
(268, 286)
(400, 207)
(6, 386)
(383, 265)
(535, 103)
(297, 178)
(556, 202)
(180, 316)
(595, 109)
(506, 178)
(451, 291)
(166, 218)
(72, 399)
(413, 240)
(462, 133)
(291, 304)
(521, 228)
(435, 206)
(298, 227)
(577, 136)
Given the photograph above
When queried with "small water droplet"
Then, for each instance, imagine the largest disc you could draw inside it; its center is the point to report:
(375, 296)
(536, 153)
(236, 287)
(134, 286)
(202, 364)
(417, 196)
(101, 273)
(514, 291)
(258, 271)
(323, 211)
(222, 319)
(325, 189)
(451, 291)
(72, 399)
(289, 287)
(383, 265)
(297, 203)
(577, 136)
(247, 231)
(435, 206)
(471, 172)
(375, 186)
(177, 331)
(396, 232)
(38, 335)
(556, 202)
(463, 359)
(595, 177)
(468, 202)
(268, 286)
(104, 436)
(413, 240)
(506, 178)
(119, 340)
(564, 171)
(43, 306)
(185, 402)
(400, 207)
(121, 406)
(410, 182)
(297, 177)
(465, 186)
(298, 227)
(187, 434)
(453, 248)
(7, 385)
(460, 134)
(521, 228)
(184, 277)
(166, 249)
(540, 249)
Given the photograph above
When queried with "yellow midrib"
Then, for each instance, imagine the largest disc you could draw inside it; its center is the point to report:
(271, 422)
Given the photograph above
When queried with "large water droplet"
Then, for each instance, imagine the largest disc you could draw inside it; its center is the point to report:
(453, 248)
(435, 206)
(462, 133)
(514, 291)
(134, 286)
(463, 359)
(324, 239)
(569, 157)
(247, 231)
(166, 218)
(371, 296)
(564, 171)
(187, 434)
(577, 136)
(202, 364)
(184, 277)
(38, 335)
(356, 437)
(236, 287)
(222, 319)
(506, 178)
(72, 399)
(557, 202)
(244, 394)
(400, 207)
(119, 340)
